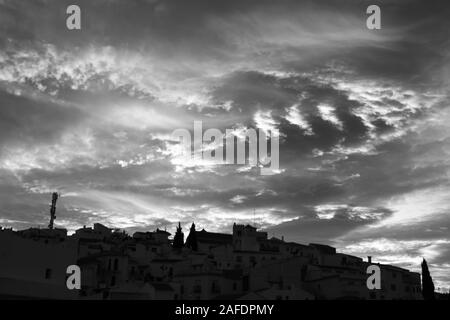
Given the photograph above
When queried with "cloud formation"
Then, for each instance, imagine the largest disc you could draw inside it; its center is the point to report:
(363, 119)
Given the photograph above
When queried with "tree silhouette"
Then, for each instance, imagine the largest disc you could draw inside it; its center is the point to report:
(427, 282)
(191, 241)
(178, 240)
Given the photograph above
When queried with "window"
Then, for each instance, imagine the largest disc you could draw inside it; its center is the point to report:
(215, 287)
(393, 287)
(113, 281)
(197, 287)
(245, 283)
(48, 273)
(116, 264)
(234, 286)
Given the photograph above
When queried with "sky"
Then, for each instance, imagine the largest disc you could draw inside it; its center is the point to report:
(363, 117)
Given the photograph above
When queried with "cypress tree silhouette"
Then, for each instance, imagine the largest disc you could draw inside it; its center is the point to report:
(178, 240)
(191, 241)
(427, 282)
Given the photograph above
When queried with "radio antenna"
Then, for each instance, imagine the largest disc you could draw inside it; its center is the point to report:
(53, 210)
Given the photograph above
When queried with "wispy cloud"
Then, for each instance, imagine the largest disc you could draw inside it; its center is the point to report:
(362, 115)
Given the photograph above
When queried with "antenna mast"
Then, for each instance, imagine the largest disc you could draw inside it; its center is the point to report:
(53, 210)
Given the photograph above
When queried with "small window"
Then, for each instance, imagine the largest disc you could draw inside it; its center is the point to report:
(215, 288)
(48, 273)
(197, 287)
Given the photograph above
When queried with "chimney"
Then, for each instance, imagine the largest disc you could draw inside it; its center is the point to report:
(369, 259)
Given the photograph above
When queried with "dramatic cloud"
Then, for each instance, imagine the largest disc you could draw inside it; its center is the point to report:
(362, 115)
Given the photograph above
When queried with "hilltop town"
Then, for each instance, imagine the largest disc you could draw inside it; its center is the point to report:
(149, 265)
(245, 264)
